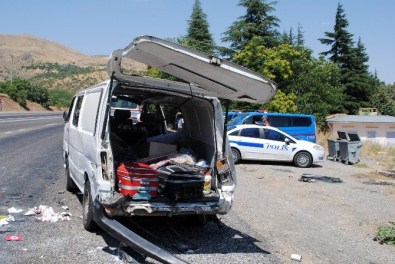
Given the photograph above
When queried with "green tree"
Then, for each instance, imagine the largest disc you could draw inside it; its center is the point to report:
(384, 99)
(282, 103)
(352, 61)
(317, 84)
(18, 90)
(198, 36)
(340, 40)
(59, 97)
(38, 94)
(358, 82)
(274, 63)
(257, 22)
(21, 90)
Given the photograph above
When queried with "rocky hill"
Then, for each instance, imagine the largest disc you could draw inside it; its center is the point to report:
(51, 64)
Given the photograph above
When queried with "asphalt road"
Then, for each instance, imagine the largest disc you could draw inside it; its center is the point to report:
(31, 173)
(274, 214)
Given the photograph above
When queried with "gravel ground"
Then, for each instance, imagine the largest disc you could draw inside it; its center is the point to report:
(323, 222)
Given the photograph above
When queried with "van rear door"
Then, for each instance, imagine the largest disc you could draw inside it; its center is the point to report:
(220, 78)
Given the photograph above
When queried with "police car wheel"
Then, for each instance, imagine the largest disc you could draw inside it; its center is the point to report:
(303, 159)
(236, 156)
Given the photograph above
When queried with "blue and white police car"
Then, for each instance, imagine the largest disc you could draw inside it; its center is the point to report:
(256, 142)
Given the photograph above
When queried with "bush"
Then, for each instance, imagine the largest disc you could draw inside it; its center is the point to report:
(386, 234)
(60, 97)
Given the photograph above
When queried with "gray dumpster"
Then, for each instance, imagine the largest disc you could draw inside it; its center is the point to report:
(350, 149)
(333, 149)
(333, 146)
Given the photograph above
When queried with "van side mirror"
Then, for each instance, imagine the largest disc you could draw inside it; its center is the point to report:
(286, 140)
(65, 116)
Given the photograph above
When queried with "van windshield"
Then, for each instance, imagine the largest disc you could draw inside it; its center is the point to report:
(124, 104)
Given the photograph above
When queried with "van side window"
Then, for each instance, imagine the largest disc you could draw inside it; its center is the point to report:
(280, 121)
(66, 115)
(77, 110)
(248, 120)
(88, 117)
(301, 121)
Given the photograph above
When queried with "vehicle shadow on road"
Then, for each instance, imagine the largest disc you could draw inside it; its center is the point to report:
(185, 234)
(275, 164)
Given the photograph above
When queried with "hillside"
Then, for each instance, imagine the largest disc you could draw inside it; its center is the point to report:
(51, 64)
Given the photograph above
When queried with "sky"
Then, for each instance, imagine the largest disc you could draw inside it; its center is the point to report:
(97, 27)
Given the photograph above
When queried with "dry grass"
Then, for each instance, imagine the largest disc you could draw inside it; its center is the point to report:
(383, 155)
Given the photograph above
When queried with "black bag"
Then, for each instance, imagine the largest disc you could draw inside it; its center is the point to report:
(177, 183)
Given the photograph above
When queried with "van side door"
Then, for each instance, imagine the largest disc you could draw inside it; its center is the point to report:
(84, 135)
(74, 143)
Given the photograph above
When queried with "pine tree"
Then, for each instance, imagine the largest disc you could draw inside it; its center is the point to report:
(300, 37)
(340, 40)
(198, 36)
(352, 61)
(257, 22)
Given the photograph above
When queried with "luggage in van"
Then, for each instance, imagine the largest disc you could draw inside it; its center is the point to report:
(137, 180)
(177, 183)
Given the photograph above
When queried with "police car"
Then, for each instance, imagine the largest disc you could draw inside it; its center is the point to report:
(256, 142)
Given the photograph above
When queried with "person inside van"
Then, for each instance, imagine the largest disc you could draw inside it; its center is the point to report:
(265, 121)
(261, 120)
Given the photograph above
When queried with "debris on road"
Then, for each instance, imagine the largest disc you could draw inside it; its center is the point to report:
(296, 257)
(13, 237)
(315, 178)
(4, 220)
(14, 210)
(48, 214)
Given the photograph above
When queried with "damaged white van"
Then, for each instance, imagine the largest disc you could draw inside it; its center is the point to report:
(150, 168)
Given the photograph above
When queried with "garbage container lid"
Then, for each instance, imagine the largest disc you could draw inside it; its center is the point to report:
(353, 137)
(342, 135)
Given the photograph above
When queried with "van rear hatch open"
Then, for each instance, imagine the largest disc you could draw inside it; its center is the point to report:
(219, 78)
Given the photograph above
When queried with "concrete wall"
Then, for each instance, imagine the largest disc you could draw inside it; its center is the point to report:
(383, 134)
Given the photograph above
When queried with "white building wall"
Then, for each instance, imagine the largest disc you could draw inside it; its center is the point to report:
(383, 134)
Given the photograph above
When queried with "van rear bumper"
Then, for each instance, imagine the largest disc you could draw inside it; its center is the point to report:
(145, 208)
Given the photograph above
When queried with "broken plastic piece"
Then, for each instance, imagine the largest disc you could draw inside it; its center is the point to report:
(13, 237)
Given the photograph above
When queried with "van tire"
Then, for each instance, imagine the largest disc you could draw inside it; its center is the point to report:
(70, 184)
(236, 155)
(303, 159)
(87, 209)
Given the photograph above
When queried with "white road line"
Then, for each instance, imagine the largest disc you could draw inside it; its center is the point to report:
(8, 120)
(27, 129)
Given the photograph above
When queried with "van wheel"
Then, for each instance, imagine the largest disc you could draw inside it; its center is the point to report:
(303, 159)
(236, 155)
(87, 208)
(70, 184)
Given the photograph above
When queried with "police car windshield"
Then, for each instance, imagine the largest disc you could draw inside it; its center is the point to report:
(236, 120)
